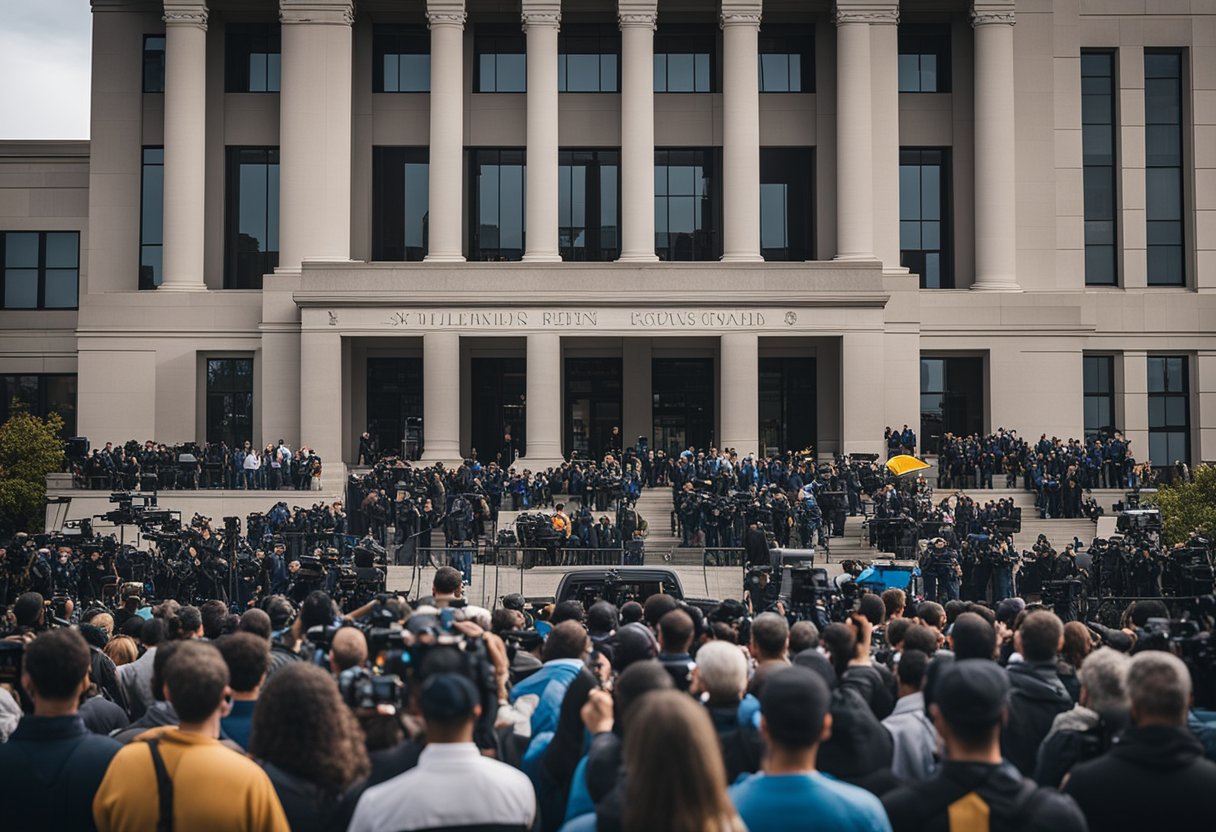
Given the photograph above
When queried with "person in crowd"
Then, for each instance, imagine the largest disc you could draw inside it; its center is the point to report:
(769, 646)
(719, 681)
(248, 660)
(121, 650)
(804, 635)
(347, 649)
(911, 730)
(676, 631)
(1037, 694)
(160, 712)
(563, 656)
(1090, 728)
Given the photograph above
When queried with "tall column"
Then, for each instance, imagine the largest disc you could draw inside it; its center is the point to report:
(884, 63)
(320, 409)
(740, 131)
(861, 411)
(446, 185)
(185, 144)
(1131, 403)
(440, 396)
(544, 401)
(314, 132)
(637, 21)
(740, 357)
(541, 21)
(854, 137)
(995, 149)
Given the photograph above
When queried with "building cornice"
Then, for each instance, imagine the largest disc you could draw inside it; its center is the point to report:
(44, 148)
(340, 13)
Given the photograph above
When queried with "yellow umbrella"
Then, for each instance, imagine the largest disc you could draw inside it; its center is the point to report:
(905, 464)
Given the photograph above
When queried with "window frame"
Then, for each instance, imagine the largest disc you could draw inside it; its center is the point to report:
(41, 268)
(241, 42)
(476, 157)
(41, 408)
(707, 250)
(225, 393)
(931, 35)
(232, 218)
(143, 198)
(1182, 393)
(1105, 370)
(483, 36)
(700, 36)
(804, 36)
(602, 157)
(783, 159)
(585, 32)
(150, 62)
(385, 159)
(945, 249)
(1181, 168)
(386, 35)
(1092, 170)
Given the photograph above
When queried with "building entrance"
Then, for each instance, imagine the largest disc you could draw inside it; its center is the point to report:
(683, 403)
(787, 404)
(951, 399)
(593, 405)
(499, 387)
(394, 405)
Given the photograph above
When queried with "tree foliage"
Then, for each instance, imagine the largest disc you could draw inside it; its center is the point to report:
(30, 448)
(1190, 506)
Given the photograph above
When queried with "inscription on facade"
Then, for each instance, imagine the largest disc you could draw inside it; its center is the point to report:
(582, 319)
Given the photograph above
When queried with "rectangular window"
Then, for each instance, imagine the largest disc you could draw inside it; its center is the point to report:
(41, 269)
(498, 205)
(787, 59)
(924, 216)
(924, 57)
(251, 57)
(251, 239)
(230, 401)
(1099, 387)
(42, 394)
(589, 207)
(1163, 167)
(500, 56)
(589, 59)
(684, 59)
(154, 63)
(787, 197)
(1169, 420)
(951, 398)
(400, 195)
(401, 59)
(1098, 143)
(151, 218)
(687, 204)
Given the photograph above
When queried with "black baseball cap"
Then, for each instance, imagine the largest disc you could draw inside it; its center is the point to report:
(972, 692)
(793, 702)
(448, 696)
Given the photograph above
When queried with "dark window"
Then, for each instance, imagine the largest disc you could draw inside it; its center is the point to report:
(1163, 167)
(400, 195)
(684, 59)
(154, 63)
(682, 407)
(41, 269)
(498, 388)
(1169, 420)
(589, 59)
(251, 52)
(787, 404)
(951, 398)
(42, 395)
(230, 401)
(924, 58)
(500, 53)
(924, 216)
(589, 210)
(593, 405)
(787, 197)
(1098, 142)
(1099, 381)
(394, 404)
(687, 205)
(498, 205)
(251, 241)
(401, 59)
(787, 59)
(151, 218)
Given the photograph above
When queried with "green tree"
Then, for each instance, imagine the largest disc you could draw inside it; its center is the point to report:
(30, 448)
(1190, 506)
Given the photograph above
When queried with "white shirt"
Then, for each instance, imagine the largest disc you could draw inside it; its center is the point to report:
(252, 462)
(452, 785)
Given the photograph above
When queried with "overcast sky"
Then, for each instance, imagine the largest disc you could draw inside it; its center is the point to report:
(44, 69)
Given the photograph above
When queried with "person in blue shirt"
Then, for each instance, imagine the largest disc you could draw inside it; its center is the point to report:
(794, 720)
(248, 660)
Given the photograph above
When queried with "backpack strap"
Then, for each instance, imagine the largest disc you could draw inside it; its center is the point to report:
(164, 789)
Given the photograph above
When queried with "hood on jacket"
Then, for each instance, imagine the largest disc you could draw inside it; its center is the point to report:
(1157, 748)
(1039, 682)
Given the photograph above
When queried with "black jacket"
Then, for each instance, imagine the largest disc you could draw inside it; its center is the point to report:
(1036, 696)
(309, 807)
(1149, 777)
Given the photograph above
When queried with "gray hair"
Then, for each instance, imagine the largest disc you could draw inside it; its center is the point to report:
(803, 636)
(1159, 686)
(1104, 677)
(722, 669)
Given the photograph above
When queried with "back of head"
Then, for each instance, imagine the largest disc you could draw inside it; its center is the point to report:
(722, 670)
(1144, 610)
(567, 611)
(972, 637)
(1040, 635)
(770, 635)
(894, 600)
(1103, 677)
(932, 613)
(911, 668)
(794, 702)
(841, 642)
(213, 614)
(676, 632)
(567, 640)
(873, 608)
(196, 679)
(657, 606)
(280, 610)
(601, 618)
(1077, 643)
(447, 581)
(897, 628)
(27, 609)
(637, 680)
(1159, 688)
(317, 610)
(57, 662)
(631, 611)
(632, 643)
(257, 622)
(920, 637)
(954, 609)
(803, 636)
(248, 660)
(152, 633)
(186, 623)
(348, 648)
(971, 697)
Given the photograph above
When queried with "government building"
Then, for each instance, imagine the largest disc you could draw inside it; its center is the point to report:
(758, 225)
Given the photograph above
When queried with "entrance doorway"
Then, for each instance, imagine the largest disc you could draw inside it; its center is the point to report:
(787, 404)
(499, 387)
(394, 405)
(951, 398)
(593, 405)
(683, 403)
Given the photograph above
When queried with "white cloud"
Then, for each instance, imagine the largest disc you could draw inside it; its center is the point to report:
(45, 48)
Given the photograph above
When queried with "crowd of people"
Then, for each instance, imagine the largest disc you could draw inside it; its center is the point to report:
(155, 466)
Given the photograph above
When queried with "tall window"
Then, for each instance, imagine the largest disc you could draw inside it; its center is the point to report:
(924, 58)
(230, 400)
(684, 59)
(151, 218)
(400, 195)
(924, 221)
(1099, 386)
(500, 53)
(787, 195)
(589, 208)
(787, 59)
(401, 57)
(251, 57)
(1163, 167)
(686, 205)
(1098, 143)
(41, 269)
(1169, 422)
(589, 59)
(154, 63)
(951, 398)
(42, 394)
(251, 239)
(498, 205)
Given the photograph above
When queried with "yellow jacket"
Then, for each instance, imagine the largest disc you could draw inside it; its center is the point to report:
(214, 788)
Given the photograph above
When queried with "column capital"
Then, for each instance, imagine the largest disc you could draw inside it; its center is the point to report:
(446, 18)
(740, 13)
(641, 14)
(332, 13)
(878, 13)
(541, 13)
(185, 14)
(989, 14)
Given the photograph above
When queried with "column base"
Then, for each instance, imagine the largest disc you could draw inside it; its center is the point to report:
(547, 257)
(443, 258)
(992, 286)
(742, 258)
(182, 287)
(638, 258)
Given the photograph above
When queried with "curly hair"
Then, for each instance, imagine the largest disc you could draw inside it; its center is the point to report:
(302, 726)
